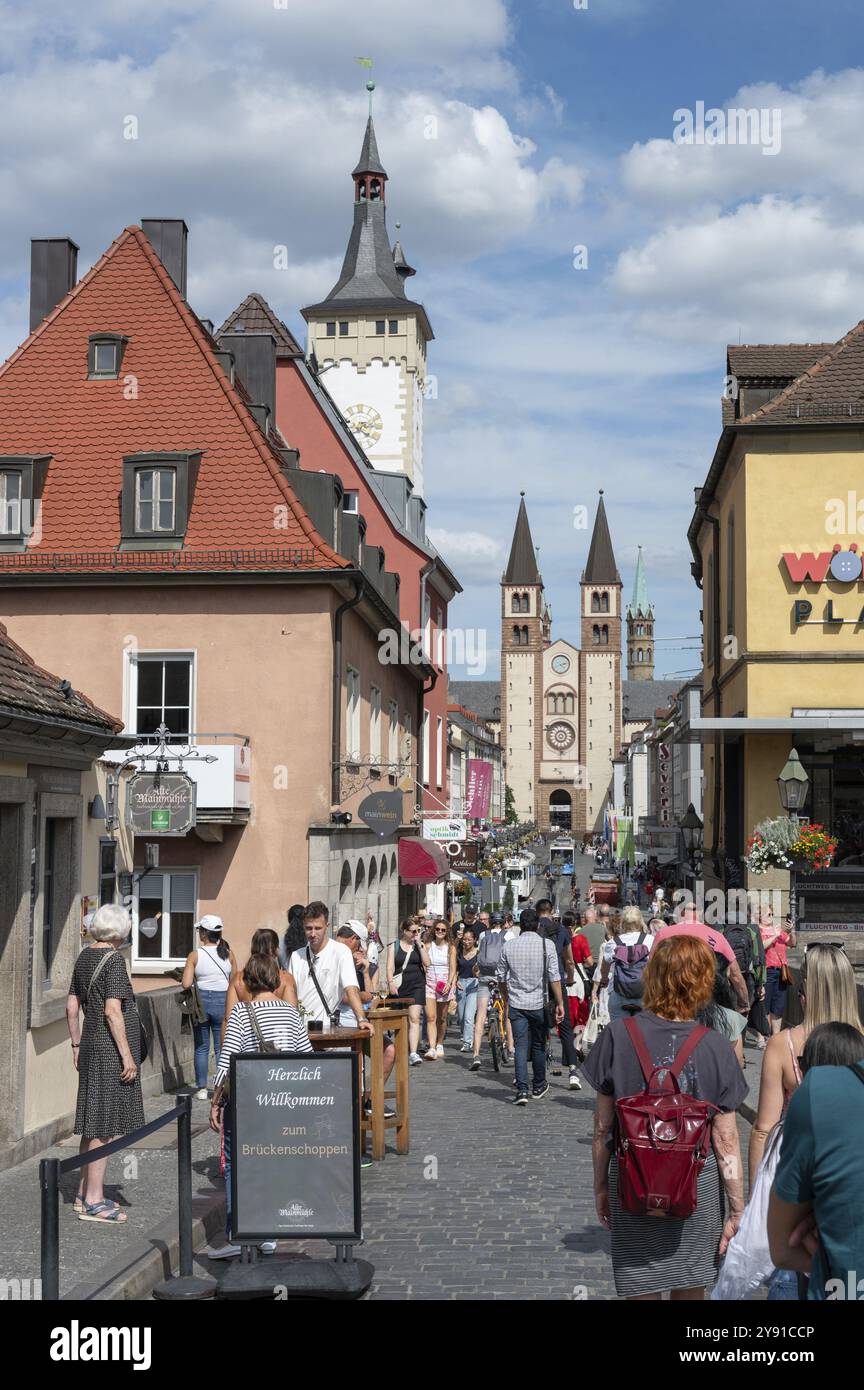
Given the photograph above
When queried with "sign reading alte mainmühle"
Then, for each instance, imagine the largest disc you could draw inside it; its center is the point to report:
(160, 803)
(295, 1167)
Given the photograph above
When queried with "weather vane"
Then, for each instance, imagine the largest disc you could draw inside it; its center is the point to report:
(370, 85)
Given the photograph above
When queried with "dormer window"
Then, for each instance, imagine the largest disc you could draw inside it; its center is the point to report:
(157, 498)
(22, 479)
(105, 355)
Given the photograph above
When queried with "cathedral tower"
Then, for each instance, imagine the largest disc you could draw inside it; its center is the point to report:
(525, 622)
(600, 669)
(370, 336)
(640, 629)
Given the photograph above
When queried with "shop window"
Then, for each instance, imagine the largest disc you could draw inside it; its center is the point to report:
(107, 871)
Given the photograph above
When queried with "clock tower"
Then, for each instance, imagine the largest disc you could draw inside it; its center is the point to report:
(370, 337)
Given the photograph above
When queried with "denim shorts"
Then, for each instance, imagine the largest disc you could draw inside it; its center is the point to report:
(775, 992)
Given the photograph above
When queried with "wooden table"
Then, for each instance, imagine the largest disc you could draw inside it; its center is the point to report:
(347, 1040)
(396, 1021)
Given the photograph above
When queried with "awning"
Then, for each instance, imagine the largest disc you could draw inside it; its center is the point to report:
(422, 861)
(703, 730)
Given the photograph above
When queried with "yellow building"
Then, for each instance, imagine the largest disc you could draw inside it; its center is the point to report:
(775, 538)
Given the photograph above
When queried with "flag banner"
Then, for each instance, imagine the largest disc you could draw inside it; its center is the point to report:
(478, 791)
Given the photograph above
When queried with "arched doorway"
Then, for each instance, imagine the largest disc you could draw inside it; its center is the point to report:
(560, 811)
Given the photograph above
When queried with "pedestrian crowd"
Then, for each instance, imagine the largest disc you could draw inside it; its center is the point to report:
(654, 1019)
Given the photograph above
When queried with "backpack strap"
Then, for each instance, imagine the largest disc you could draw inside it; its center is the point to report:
(686, 1050)
(644, 1056)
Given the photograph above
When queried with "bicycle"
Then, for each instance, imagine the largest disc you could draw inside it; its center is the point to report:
(495, 1030)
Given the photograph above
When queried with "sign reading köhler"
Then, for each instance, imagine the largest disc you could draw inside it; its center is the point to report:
(295, 1168)
(382, 812)
(160, 803)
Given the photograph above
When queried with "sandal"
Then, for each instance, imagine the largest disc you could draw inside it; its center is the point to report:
(104, 1211)
(78, 1204)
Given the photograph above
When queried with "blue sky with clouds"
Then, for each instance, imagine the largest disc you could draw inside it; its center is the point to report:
(553, 128)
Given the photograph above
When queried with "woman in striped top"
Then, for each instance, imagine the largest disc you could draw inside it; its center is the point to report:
(269, 1019)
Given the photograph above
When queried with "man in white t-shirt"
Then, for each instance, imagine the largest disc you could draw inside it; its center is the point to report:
(331, 965)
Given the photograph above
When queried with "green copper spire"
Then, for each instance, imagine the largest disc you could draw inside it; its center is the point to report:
(639, 602)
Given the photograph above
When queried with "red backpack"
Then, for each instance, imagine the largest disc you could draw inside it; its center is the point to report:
(662, 1136)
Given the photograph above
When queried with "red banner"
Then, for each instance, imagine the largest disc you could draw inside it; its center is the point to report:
(478, 789)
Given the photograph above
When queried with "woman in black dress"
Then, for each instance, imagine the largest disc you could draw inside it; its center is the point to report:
(407, 962)
(107, 1054)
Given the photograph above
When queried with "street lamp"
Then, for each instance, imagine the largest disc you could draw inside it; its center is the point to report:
(793, 784)
(692, 829)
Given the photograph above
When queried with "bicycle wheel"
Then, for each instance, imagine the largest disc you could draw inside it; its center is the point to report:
(495, 1047)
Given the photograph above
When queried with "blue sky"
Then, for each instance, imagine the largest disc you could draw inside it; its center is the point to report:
(554, 129)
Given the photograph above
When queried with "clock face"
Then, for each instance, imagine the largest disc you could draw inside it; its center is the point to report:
(560, 736)
(365, 422)
(561, 665)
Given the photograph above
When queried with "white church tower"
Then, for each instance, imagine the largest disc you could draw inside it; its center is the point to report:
(370, 336)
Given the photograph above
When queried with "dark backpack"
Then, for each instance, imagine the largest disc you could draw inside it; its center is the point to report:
(492, 945)
(741, 941)
(724, 994)
(630, 962)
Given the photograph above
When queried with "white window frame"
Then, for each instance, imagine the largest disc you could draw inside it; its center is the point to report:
(352, 715)
(351, 501)
(155, 965)
(439, 753)
(374, 723)
(393, 734)
(130, 682)
(425, 778)
(157, 471)
(6, 529)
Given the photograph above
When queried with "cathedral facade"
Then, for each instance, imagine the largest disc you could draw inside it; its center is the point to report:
(566, 712)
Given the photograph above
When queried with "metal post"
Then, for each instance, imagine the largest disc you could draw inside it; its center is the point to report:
(187, 1284)
(49, 1184)
(184, 1184)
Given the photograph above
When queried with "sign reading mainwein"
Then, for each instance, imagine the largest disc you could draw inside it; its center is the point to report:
(295, 1169)
(160, 803)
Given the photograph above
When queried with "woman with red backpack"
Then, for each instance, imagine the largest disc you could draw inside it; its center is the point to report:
(666, 1150)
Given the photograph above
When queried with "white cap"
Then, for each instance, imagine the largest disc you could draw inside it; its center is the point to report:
(358, 928)
(210, 922)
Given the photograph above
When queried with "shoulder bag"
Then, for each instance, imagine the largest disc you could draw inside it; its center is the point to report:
(330, 1013)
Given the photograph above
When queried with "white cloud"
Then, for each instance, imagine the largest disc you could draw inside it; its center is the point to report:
(475, 556)
(777, 270)
(821, 121)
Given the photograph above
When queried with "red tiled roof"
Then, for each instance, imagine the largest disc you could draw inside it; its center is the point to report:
(774, 359)
(24, 686)
(172, 395)
(254, 315)
(832, 388)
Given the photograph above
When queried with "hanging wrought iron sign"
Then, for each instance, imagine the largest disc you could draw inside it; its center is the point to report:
(160, 803)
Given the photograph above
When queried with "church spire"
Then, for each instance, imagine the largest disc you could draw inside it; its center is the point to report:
(639, 604)
(522, 565)
(601, 567)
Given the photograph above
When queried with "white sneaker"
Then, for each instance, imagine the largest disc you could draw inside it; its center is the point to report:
(224, 1252)
(267, 1247)
(575, 1083)
(432, 1055)
(203, 1094)
(439, 1051)
(466, 1047)
(415, 1060)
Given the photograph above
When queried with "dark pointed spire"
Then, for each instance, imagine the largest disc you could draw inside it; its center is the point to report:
(369, 161)
(403, 269)
(601, 567)
(522, 565)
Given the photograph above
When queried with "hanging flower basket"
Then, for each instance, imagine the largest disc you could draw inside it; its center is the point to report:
(786, 843)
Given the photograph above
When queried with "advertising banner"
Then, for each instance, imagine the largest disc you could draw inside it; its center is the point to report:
(295, 1170)
(478, 789)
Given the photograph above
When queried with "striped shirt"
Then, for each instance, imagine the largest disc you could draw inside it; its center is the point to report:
(521, 969)
(280, 1023)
